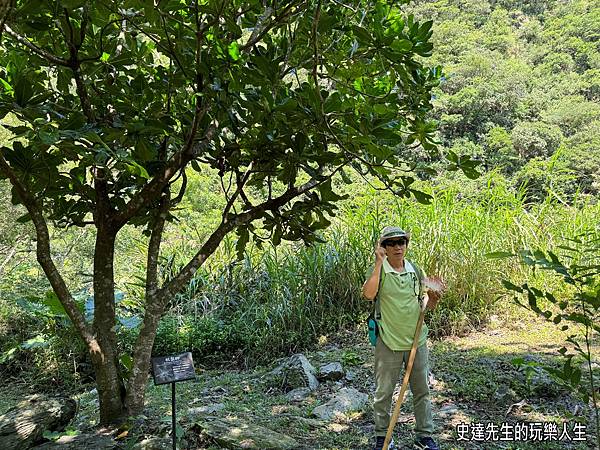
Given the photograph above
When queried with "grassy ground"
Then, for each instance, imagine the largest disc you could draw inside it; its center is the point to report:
(473, 381)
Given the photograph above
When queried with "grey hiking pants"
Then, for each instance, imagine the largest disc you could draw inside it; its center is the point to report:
(388, 364)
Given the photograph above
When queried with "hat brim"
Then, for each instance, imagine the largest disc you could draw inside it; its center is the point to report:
(395, 235)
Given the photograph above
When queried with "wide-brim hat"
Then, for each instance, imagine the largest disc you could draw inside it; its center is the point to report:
(393, 232)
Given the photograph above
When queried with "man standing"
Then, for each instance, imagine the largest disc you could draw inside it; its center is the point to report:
(397, 285)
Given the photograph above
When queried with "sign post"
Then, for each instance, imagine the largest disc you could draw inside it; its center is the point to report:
(171, 369)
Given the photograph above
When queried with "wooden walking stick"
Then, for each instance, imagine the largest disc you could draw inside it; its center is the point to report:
(437, 285)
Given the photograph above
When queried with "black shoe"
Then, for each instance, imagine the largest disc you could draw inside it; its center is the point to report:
(380, 441)
(426, 443)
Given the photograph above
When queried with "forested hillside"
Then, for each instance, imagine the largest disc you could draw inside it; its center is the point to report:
(521, 89)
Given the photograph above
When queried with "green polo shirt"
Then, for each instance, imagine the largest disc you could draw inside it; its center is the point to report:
(400, 307)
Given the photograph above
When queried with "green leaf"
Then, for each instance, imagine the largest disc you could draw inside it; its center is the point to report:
(345, 178)
(425, 28)
(23, 91)
(48, 138)
(288, 105)
(402, 45)
(234, 51)
(422, 197)
(136, 169)
(327, 194)
(300, 141)
(533, 301)
(452, 157)
(240, 246)
(8, 354)
(127, 361)
(511, 287)
(144, 152)
(24, 218)
(37, 342)
(7, 87)
(332, 103)
(196, 166)
(362, 34)
(53, 304)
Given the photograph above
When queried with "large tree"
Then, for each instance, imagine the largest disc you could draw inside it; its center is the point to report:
(115, 100)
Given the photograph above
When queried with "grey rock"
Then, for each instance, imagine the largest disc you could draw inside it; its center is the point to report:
(346, 400)
(298, 394)
(332, 371)
(153, 443)
(313, 423)
(235, 433)
(448, 410)
(505, 394)
(81, 442)
(23, 426)
(207, 409)
(294, 373)
(350, 376)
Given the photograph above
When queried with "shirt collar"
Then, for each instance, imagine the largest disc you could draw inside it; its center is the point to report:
(408, 267)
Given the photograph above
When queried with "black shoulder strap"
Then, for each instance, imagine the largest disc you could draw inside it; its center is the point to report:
(420, 277)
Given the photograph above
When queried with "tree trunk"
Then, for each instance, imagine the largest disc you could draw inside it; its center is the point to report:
(136, 387)
(105, 359)
(155, 305)
(5, 10)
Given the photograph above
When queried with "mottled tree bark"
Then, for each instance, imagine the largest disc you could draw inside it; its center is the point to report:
(5, 8)
(106, 362)
(136, 386)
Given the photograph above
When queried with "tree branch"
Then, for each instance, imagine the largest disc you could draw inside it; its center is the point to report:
(154, 247)
(240, 182)
(41, 52)
(228, 224)
(177, 200)
(74, 65)
(262, 27)
(44, 258)
(103, 211)
(11, 254)
(170, 169)
(6, 7)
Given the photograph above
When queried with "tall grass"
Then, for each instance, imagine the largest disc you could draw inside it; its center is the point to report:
(281, 300)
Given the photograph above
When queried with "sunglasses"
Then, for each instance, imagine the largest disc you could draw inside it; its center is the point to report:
(394, 242)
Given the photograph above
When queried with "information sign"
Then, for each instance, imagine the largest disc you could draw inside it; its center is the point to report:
(170, 369)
